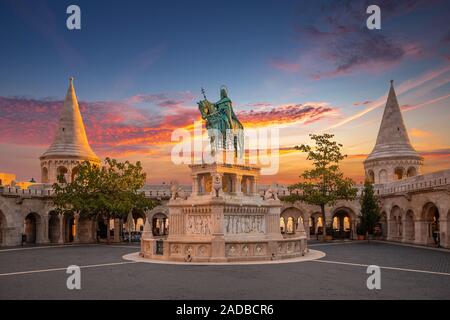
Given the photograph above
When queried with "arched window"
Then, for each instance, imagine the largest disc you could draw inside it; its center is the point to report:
(62, 171)
(319, 222)
(399, 173)
(371, 176)
(346, 223)
(335, 223)
(44, 175)
(382, 176)
(74, 173)
(411, 172)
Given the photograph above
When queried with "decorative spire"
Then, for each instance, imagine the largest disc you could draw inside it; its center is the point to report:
(70, 139)
(392, 140)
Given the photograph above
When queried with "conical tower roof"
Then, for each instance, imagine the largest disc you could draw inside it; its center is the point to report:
(393, 140)
(70, 140)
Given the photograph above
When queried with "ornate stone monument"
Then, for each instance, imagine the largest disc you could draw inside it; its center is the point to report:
(224, 219)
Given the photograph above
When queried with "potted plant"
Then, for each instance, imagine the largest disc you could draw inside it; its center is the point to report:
(360, 231)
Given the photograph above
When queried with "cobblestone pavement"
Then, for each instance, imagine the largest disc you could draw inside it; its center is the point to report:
(406, 273)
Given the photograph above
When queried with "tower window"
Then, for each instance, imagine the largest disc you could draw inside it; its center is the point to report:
(63, 129)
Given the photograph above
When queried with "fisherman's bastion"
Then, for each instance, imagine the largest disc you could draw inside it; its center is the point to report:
(415, 207)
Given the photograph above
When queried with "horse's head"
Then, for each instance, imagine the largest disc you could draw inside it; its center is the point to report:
(206, 108)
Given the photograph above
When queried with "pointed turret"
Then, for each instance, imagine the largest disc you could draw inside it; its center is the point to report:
(392, 147)
(70, 139)
(70, 145)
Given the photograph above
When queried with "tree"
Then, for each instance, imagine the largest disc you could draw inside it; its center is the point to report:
(325, 183)
(370, 211)
(109, 191)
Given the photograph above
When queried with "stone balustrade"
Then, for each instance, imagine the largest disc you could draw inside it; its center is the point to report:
(13, 191)
(416, 183)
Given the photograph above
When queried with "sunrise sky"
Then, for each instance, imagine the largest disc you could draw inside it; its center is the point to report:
(304, 66)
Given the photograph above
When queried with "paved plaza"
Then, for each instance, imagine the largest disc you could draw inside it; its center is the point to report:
(406, 273)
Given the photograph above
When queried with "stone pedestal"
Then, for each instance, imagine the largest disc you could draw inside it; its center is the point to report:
(220, 222)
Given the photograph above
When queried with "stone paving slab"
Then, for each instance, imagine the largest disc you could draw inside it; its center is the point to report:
(304, 280)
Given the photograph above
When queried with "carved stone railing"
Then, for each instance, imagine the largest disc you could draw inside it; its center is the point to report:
(439, 179)
(14, 191)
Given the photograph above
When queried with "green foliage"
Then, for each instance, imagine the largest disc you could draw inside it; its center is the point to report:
(110, 190)
(324, 184)
(360, 229)
(370, 210)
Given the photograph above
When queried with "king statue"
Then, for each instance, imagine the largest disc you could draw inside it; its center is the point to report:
(221, 120)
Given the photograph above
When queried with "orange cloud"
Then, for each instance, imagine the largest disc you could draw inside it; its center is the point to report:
(414, 132)
(286, 114)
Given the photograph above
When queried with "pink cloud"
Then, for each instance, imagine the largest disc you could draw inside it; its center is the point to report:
(286, 114)
(285, 66)
(120, 128)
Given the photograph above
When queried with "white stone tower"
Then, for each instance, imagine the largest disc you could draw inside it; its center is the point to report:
(70, 146)
(393, 157)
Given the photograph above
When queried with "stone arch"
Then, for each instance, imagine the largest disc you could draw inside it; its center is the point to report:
(371, 176)
(158, 218)
(317, 223)
(382, 176)
(409, 227)
(44, 175)
(399, 173)
(431, 217)
(139, 218)
(344, 219)
(32, 223)
(62, 170)
(160, 224)
(411, 172)
(292, 215)
(74, 174)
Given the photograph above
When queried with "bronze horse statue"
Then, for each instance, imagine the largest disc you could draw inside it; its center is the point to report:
(220, 118)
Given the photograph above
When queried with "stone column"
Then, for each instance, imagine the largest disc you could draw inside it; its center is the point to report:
(443, 235)
(116, 230)
(61, 228)
(238, 185)
(404, 229)
(76, 219)
(42, 231)
(194, 185)
(420, 232)
(254, 190)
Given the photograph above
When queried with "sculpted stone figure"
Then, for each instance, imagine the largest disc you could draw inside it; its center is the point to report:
(176, 191)
(217, 184)
(224, 128)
